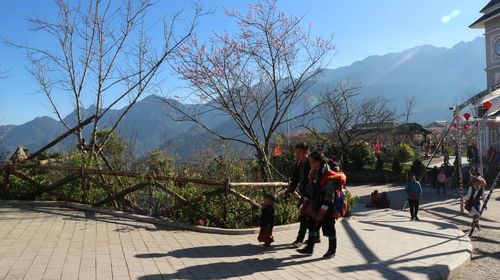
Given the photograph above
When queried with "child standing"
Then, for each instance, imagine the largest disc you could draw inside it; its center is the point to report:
(267, 221)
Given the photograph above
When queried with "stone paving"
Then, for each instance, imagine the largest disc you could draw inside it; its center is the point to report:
(485, 263)
(60, 243)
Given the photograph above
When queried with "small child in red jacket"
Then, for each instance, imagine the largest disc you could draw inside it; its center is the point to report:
(267, 221)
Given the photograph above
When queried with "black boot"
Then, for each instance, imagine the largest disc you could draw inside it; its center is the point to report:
(332, 248)
(308, 250)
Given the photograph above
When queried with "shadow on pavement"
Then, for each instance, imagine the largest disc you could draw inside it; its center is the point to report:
(438, 212)
(223, 270)
(218, 251)
(128, 225)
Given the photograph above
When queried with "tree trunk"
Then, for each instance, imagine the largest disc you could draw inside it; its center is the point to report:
(264, 165)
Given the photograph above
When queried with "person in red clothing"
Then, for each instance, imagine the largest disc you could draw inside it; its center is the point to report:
(374, 198)
(267, 221)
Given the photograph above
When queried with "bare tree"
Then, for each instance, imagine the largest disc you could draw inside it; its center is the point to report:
(342, 109)
(103, 52)
(409, 108)
(254, 76)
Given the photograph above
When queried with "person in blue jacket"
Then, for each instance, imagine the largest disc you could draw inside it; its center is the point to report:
(414, 191)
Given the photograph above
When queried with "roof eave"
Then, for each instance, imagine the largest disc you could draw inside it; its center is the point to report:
(482, 20)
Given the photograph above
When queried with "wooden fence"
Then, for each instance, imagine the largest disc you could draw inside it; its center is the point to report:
(87, 178)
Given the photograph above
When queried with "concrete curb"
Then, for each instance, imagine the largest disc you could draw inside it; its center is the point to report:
(146, 219)
(456, 265)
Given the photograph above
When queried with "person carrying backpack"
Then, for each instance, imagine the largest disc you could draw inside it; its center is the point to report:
(323, 190)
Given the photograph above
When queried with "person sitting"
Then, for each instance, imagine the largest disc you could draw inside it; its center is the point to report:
(379, 201)
(373, 199)
(384, 202)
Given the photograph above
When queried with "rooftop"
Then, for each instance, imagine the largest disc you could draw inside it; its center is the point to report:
(489, 16)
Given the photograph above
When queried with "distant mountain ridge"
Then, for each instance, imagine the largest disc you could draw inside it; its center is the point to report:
(437, 77)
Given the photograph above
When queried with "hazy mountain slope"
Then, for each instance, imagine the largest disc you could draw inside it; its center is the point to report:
(437, 77)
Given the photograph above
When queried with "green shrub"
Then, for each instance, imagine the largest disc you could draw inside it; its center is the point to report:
(351, 202)
(404, 152)
(361, 154)
(396, 166)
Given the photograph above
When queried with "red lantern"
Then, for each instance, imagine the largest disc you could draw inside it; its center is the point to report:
(467, 116)
(455, 125)
(466, 126)
(487, 105)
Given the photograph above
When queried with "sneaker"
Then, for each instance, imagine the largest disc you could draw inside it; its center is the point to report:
(329, 254)
(297, 244)
(416, 218)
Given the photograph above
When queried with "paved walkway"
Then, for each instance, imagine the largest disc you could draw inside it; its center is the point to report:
(59, 243)
(485, 263)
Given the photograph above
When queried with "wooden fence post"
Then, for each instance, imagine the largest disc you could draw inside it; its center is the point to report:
(227, 187)
(84, 187)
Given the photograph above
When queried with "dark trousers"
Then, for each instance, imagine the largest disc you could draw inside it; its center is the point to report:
(327, 225)
(304, 225)
(441, 186)
(414, 204)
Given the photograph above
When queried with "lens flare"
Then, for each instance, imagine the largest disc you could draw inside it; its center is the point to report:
(450, 16)
(445, 19)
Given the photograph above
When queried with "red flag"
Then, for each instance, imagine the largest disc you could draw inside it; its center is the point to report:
(487, 105)
(455, 125)
(467, 116)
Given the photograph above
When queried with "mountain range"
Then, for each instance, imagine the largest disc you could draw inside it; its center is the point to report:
(437, 77)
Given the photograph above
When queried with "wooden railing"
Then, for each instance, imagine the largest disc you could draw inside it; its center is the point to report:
(89, 179)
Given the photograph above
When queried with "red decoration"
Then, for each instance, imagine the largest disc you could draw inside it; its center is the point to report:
(467, 116)
(487, 105)
(455, 125)
(277, 151)
(466, 126)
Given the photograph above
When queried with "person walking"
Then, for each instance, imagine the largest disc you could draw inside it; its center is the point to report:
(319, 201)
(300, 179)
(414, 190)
(473, 199)
(441, 181)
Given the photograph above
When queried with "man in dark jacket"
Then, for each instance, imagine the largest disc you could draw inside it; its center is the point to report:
(299, 181)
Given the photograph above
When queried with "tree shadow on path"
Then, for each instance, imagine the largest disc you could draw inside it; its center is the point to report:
(217, 251)
(223, 270)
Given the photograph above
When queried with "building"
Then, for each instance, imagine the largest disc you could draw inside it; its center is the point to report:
(490, 119)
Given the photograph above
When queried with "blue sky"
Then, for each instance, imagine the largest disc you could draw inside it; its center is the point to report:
(361, 28)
